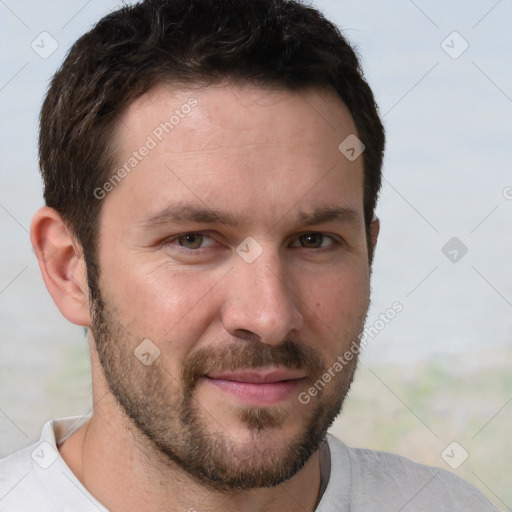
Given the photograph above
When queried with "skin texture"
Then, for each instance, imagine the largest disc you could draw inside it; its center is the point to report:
(176, 434)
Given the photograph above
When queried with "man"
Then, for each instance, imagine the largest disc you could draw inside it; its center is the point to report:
(211, 170)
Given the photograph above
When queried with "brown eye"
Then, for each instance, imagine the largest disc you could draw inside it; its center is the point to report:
(314, 241)
(191, 241)
(311, 240)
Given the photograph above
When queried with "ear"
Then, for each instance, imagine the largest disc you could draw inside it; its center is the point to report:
(62, 265)
(374, 234)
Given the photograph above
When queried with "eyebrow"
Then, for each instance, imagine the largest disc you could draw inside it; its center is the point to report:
(177, 214)
(336, 214)
(189, 213)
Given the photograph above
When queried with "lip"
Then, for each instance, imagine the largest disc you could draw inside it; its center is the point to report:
(263, 376)
(258, 388)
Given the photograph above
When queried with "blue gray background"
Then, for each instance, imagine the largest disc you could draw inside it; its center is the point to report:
(447, 110)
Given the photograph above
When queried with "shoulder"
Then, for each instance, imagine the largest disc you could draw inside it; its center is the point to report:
(13, 465)
(382, 481)
(37, 478)
(20, 488)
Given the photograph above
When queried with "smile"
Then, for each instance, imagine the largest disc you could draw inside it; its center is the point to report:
(258, 388)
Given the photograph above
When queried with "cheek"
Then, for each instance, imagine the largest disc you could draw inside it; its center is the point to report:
(168, 306)
(338, 307)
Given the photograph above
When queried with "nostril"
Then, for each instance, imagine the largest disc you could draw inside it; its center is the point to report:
(246, 335)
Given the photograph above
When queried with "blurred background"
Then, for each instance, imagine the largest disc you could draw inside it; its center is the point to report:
(435, 381)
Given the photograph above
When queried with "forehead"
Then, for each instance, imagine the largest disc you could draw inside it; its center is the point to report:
(257, 151)
(190, 118)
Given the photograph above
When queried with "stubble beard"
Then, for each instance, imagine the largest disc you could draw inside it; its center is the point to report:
(165, 415)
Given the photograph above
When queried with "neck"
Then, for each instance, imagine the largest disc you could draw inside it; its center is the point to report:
(121, 469)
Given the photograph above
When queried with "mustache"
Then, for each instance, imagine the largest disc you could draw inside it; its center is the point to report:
(250, 355)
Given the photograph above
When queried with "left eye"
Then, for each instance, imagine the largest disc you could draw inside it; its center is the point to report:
(313, 241)
(194, 241)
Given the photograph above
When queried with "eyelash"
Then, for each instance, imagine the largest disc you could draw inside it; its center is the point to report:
(335, 240)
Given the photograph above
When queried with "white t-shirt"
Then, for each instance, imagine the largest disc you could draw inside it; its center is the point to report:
(36, 479)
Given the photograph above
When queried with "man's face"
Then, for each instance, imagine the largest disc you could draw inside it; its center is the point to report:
(236, 245)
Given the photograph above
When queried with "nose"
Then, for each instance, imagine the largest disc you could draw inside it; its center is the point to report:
(260, 303)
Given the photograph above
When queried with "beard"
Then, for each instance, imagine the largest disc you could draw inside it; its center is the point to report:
(163, 409)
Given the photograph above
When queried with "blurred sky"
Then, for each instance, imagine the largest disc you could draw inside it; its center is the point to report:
(448, 117)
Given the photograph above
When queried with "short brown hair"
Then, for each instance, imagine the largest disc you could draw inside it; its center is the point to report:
(279, 43)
